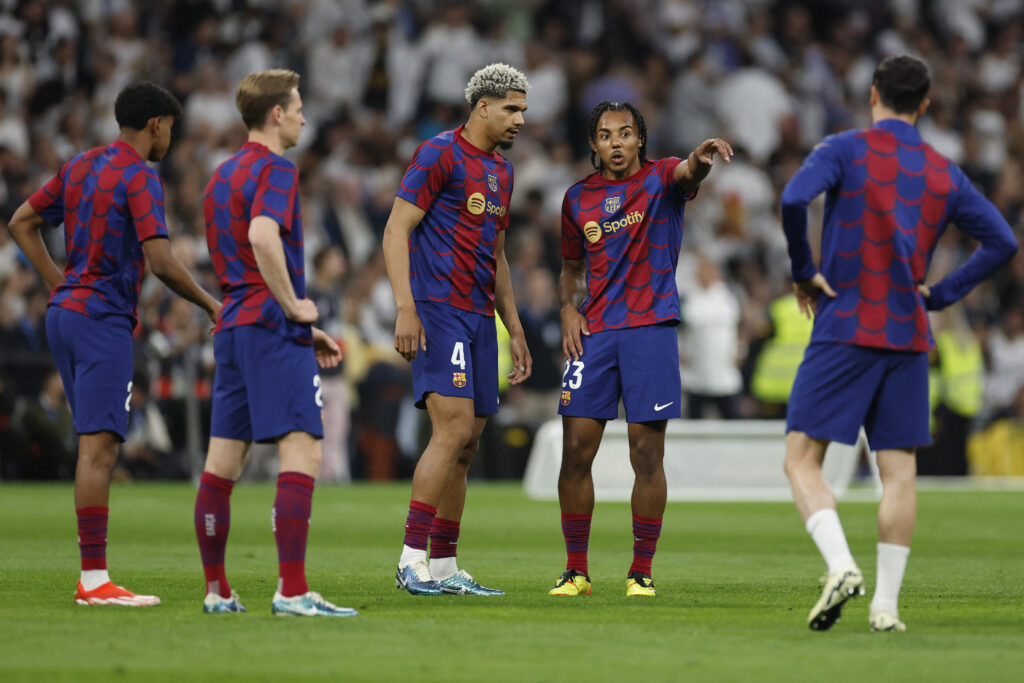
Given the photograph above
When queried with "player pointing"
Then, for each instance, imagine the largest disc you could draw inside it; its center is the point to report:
(889, 197)
(621, 231)
(444, 247)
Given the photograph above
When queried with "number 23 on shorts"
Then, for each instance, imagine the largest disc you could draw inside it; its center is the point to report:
(576, 378)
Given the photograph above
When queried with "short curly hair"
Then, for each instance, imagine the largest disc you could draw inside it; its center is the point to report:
(495, 80)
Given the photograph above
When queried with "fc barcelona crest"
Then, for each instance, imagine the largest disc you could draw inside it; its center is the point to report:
(612, 204)
(566, 395)
(492, 182)
(459, 379)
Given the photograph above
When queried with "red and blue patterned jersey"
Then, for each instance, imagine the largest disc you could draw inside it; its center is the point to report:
(254, 182)
(889, 198)
(629, 231)
(110, 201)
(465, 192)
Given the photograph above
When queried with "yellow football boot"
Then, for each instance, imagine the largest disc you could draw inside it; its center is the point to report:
(571, 582)
(639, 585)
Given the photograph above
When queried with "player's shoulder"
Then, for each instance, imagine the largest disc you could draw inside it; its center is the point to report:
(590, 182)
(432, 149)
(840, 142)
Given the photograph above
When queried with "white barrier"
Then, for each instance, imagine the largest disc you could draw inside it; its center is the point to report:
(704, 460)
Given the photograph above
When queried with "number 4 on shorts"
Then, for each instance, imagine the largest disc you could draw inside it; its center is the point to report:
(459, 356)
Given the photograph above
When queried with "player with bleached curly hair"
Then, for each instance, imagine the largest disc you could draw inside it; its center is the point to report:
(444, 248)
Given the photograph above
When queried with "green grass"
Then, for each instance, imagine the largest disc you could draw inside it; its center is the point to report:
(735, 580)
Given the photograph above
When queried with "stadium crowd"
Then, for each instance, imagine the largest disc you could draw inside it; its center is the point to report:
(379, 77)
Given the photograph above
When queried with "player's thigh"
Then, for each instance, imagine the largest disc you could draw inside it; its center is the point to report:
(833, 390)
(591, 384)
(899, 416)
(283, 383)
(446, 367)
(229, 414)
(94, 358)
(649, 368)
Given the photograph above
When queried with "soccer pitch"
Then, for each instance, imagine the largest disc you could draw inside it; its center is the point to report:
(735, 581)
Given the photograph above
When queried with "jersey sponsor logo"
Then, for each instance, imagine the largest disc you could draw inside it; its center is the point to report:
(566, 396)
(476, 204)
(612, 204)
(630, 219)
(492, 182)
(592, 231)
(459, 379)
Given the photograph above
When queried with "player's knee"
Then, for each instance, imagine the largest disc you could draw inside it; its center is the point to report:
(648, 464)
(467, 454)
(457, 437)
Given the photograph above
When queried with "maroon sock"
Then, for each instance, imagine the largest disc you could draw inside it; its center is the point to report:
(292, 508)
(645, 540)
(92, 536)
(213, 521)
(444, 538)
(576, 530)
(418, 523)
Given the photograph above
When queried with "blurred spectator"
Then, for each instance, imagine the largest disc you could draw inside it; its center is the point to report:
(324, 288)
(51, 444)
(147, 449)
(710, 350)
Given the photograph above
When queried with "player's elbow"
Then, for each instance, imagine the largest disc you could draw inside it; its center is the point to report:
(792, 200)
(1009, 245)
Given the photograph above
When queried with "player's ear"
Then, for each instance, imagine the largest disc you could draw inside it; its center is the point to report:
(873, 97)
(923, 106)
(481, 107)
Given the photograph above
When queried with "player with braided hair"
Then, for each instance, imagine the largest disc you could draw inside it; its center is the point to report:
(621, 231)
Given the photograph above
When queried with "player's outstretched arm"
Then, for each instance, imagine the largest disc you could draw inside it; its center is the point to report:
(173, 274)
(571, 284)
(505, 304)
(409, 334)
(695, 169)
(26, 229)
(265, 238)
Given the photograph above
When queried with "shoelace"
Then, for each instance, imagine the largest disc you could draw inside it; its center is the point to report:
(421, 571)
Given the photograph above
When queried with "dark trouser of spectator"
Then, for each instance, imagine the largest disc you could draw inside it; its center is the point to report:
(947, 456)
(696, 405)
(380, 396)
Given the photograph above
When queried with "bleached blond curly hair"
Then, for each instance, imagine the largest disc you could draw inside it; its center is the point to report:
(495, 80)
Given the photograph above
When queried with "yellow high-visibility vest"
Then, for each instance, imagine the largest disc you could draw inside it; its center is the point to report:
(504, 355)
(781, 356)
(962, 373)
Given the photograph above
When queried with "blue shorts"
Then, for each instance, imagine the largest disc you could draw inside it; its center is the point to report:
(839, 388)
(638, 364)
(94, 358)
(461, 357)
(265, 387)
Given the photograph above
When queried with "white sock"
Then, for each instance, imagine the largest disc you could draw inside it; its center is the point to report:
(827, 532)
(94, 578)
(410, 555)
(442, 567)
(892, 561)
